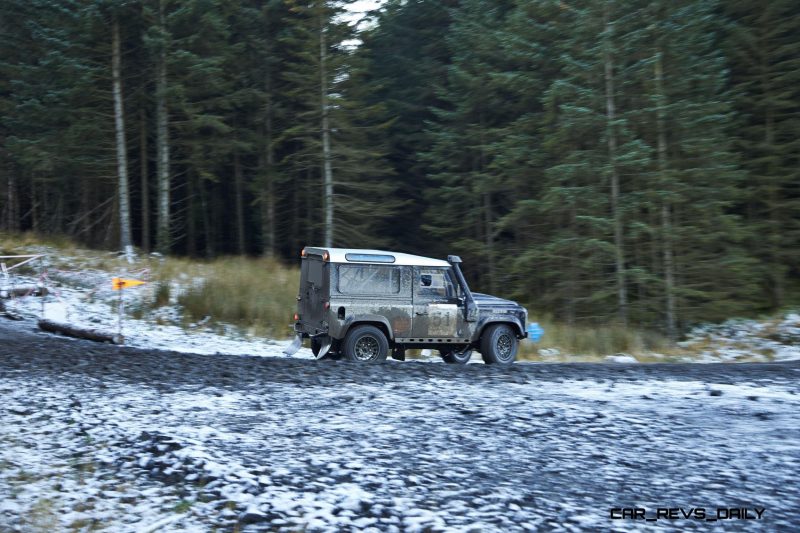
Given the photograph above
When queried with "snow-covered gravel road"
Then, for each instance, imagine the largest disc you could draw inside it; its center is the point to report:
(96, 436)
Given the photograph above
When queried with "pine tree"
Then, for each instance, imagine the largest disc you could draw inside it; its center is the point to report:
(163, 224)
(695, 176)
(334, 139)
(763, 47)
(529, 45)
(58, 129)
(589, 150)
(466, 200)
(407, 56)
(126, 240)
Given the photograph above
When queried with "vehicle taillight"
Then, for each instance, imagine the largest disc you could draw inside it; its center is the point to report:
(296, 317)
(303, 253)
(326, 256)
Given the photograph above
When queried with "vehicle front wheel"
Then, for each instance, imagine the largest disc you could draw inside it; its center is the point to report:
(499, 345)
(459, 355)
(366, 344)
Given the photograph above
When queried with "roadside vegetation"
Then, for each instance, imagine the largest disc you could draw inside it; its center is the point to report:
(256, 297)
(254, 294)
(612, 162)
(566, 342)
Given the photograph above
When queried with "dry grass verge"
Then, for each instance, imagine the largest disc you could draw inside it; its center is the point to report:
(258, 295)
(564, 342)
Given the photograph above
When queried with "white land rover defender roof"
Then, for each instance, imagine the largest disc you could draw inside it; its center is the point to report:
(377, 257)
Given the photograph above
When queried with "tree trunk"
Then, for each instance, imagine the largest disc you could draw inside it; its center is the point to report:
(294, 226)
(488, 216)
(205, 211)
(489, 239)
(572, 272)
(58, 223)
(774, 237)
(34, 205)
(12, 212)
(126, 242)
(143, 164)
(163, 237)
(619, 252)
(80, 333)
(86, 227)
(666, 221)
(326, 140)
(310, 230)
(238, 185)
(43, 226)
(191, 215)
(269, 245)
(268, 187)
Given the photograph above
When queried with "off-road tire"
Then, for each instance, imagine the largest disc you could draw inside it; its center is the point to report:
(363, 340)
(499, 345)
(456, 355)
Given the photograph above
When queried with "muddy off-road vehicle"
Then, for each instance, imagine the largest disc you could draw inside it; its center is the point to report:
(364, 305)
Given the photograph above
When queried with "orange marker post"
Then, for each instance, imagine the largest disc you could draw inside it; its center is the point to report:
(121, 283)
(118, 284)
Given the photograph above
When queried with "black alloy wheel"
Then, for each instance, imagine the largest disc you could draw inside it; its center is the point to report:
(457, 355)
(499, 345)
(365, 344)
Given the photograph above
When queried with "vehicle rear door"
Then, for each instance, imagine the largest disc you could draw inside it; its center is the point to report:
(314, 289)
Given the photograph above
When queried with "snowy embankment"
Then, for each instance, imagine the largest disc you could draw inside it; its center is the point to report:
(776, 339)
(83, 296)
(99, 436)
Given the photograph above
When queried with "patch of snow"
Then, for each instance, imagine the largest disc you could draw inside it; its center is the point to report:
(621, 358)
(86, 299)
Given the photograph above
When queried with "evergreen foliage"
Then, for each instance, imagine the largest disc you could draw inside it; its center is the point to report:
(604, 161)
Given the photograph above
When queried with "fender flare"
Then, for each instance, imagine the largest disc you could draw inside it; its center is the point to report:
(377, 320)
(488, 321)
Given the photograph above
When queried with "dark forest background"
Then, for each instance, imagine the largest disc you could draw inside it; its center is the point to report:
(606, 161)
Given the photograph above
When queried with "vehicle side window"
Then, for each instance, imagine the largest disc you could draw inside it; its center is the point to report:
(368, 279)
(434, 283)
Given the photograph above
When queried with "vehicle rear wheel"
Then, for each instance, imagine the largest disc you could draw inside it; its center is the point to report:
(499, 345)
(458, 355)
(366, 344)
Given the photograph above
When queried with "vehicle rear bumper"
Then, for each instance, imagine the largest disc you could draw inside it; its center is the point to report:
(310, 330)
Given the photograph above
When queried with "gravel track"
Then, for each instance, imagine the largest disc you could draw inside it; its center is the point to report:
(98, 436)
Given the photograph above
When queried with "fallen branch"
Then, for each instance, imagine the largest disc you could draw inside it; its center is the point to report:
(80, 333)
(8, 314)
(20, 292)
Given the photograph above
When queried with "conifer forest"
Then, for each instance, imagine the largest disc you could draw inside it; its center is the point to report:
(605, 161)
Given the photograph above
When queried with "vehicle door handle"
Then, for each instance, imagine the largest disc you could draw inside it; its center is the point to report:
(421, 313)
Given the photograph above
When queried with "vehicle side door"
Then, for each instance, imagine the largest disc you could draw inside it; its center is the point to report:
(436, 309)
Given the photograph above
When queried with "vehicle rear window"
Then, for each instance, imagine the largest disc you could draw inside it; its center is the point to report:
(315, 272)
(369, 279)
